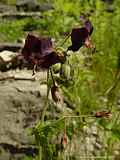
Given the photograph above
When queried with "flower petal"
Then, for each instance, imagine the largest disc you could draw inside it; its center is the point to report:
(36, 47)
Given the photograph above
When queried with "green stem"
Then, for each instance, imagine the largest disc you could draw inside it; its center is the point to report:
(52, 76)
(66, 38)
(40, 153)
(46, 101)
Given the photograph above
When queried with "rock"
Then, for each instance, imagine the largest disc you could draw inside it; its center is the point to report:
(9, 151)
(45, 7)
(94, 130)
(22, 2)
(43, 89)
(26, 5)
(98, 146)
(9, 60)
(86, 130)
(32, 5)
(7, 56)
(21, 105)
(89, 146)
(4, 155)
(14, 47)
(7, 8)
(20, 15)
(20, 108)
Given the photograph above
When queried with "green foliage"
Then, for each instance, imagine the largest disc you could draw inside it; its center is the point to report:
(44, 133)
(92, 73)
(11, 30)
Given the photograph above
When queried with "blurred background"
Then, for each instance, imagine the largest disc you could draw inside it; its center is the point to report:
(89, 82)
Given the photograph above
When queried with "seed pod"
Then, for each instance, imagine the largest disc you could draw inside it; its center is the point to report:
(56, 68)
(65, 71)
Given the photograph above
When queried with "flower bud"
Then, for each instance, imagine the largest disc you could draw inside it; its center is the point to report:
(55, 93)
(64, 141)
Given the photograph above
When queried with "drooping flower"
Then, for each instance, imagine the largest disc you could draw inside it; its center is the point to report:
(81, 36)
(40, 52)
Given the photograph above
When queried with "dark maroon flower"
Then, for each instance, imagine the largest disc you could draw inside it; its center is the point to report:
(80, 36)
(36, 47)
(40, 52)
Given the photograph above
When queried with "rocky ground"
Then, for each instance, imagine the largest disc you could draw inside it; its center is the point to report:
(22, 95)
(22, 100)
(21, 103)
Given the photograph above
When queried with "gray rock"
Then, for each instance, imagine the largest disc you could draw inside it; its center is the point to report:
(14, 47)
(32, 5)
(19, 15)
(43, 89)
(86, 130)
(26, 5)
(20, 109)
(94, 130)
(7, 56)
(22, 2)
(6, 8)
(9, 60)
(45, 6)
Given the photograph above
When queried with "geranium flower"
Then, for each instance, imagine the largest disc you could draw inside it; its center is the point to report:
(81, 36)
(40, 52)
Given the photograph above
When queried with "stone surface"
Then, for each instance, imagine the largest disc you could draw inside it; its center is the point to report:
(21, 104)
(26, 4)
(7, 56)
(22, 100)
(19, 109)
(32, 5)
(10, 46)
(7, 8)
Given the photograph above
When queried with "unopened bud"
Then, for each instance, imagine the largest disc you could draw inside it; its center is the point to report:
(55, 93)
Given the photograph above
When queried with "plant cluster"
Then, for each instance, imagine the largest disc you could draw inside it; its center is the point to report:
(89, 78)
(41, 54)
